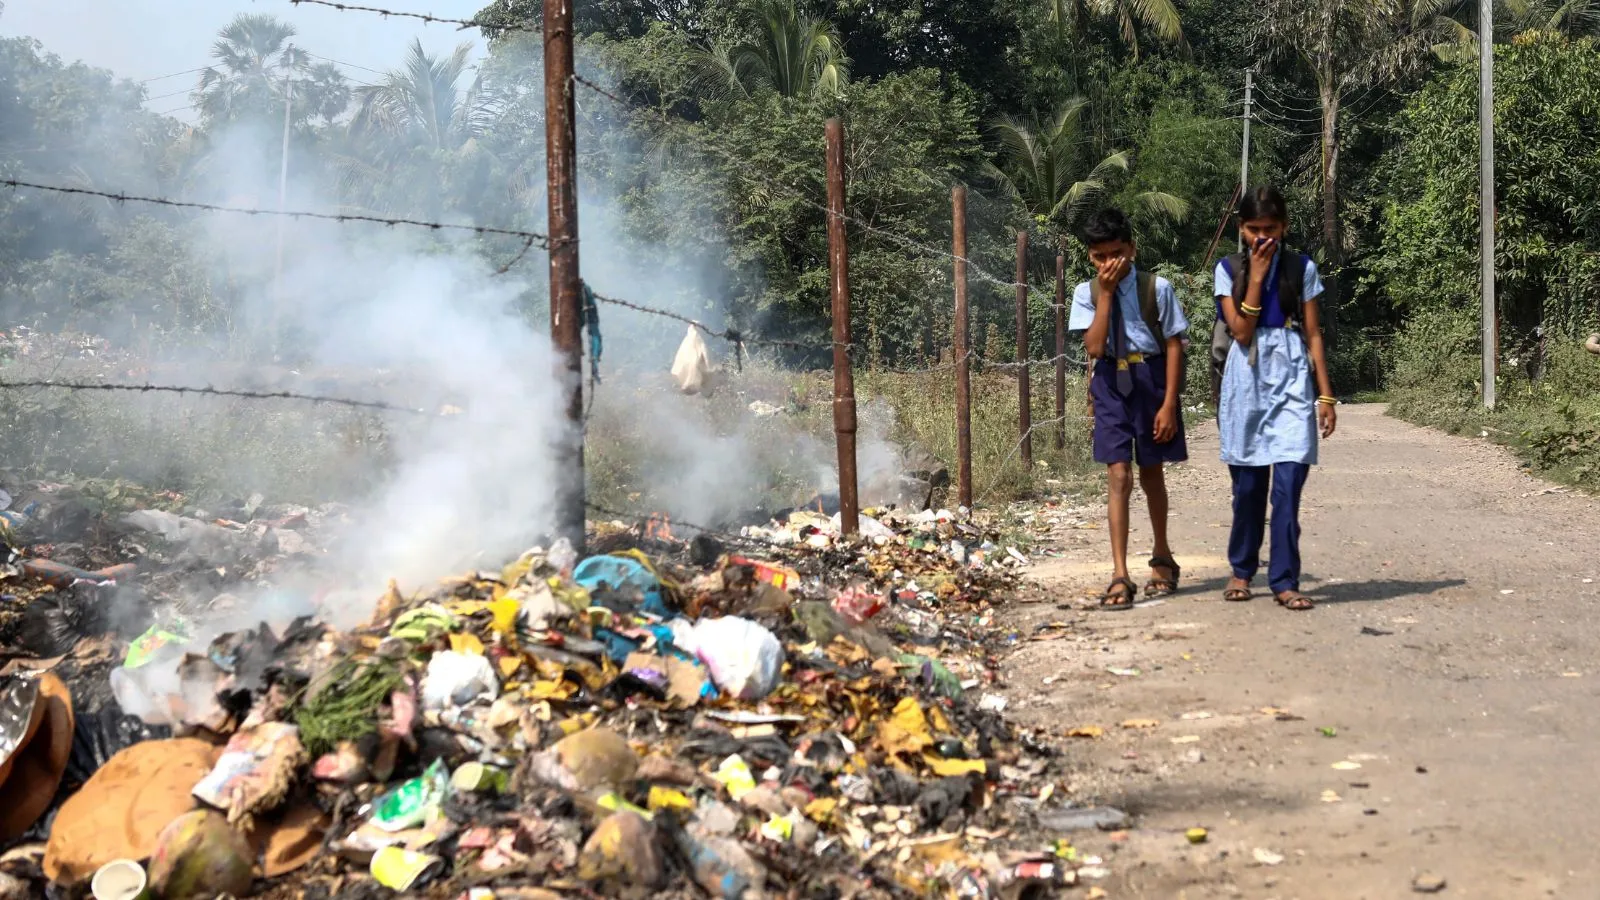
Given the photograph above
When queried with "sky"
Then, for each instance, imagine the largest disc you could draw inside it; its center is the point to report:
(148, 40)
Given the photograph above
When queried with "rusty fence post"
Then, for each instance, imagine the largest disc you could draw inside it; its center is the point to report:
(958, 207)
(1061, 351)
(1024, 375)
(566, 285)
(844, 390)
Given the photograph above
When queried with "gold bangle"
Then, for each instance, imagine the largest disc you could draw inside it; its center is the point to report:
(1328, 401)
(1249, 310)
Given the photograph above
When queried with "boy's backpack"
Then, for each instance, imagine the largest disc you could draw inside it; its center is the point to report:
(1150, 311)
(1291, 283)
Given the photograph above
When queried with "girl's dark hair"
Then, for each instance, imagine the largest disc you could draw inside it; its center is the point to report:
(1264, 202)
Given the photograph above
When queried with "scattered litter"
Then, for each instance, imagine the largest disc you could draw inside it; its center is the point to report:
(1267, 857)
(1196, 835)
(1428, 884)
(1345, 765)
(1375, 632)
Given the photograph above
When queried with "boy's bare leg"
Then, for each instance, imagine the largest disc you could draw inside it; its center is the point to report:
(1154, 481)
(1120, 476)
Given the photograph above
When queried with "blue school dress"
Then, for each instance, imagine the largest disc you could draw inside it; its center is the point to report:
(1268, 412)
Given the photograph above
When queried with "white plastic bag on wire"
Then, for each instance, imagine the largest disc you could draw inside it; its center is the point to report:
(692, 366)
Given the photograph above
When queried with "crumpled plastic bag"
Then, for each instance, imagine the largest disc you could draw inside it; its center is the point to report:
(691, 368)
(457, 679)
(744, 658)
(255, 771)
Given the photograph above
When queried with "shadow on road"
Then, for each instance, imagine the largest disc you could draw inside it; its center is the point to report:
(1388, 589)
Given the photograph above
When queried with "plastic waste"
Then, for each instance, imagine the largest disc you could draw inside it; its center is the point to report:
(120, 879)
(624, 576)
(720, 865)
(744, 658)
(415, 802)
(255, 772)
(857, 604)
(458, 679)
(400, 869)
(691, 367)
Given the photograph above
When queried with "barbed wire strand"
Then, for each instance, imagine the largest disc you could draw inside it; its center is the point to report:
(211, 391)
(534, 236)
(1000, 469)
(427, 18)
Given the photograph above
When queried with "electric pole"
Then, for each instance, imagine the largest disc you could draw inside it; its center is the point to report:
(1244, 151)
(1486, 192)
(283, 195)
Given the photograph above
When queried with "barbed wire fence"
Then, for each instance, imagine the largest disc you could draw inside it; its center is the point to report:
(959, 362)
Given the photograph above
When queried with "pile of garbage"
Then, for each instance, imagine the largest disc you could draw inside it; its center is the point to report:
(785, 711)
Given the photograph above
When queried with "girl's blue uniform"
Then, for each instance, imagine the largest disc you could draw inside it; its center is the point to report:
(1268, 421)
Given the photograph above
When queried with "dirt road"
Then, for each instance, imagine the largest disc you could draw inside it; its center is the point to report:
(1454, 660)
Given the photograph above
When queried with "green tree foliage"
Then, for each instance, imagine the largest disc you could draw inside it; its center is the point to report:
(788, 52)
(1547, 130)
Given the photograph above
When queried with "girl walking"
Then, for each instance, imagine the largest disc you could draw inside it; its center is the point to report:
(1275, 394)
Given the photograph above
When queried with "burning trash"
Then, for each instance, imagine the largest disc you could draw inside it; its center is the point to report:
(782, 710)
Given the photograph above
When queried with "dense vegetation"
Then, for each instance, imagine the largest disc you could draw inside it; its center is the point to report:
(712, 165)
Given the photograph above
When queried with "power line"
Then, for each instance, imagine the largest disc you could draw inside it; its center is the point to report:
(343, 63)
(173, 75)
(181, 93)
(480, 230)
(211, 391)
(428, 18)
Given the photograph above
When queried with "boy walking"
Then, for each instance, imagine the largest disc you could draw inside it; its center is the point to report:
(1133, 331)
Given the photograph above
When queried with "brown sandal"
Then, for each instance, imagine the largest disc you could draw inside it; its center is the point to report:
(1237, 594)
(1163, 587)
(1119, 595)
(1294, 600)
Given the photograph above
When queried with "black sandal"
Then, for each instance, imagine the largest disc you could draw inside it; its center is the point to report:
(1114, 599)
(1163, 587)
(1295, 601)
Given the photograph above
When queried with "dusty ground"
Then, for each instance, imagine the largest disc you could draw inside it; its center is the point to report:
(1455, 657)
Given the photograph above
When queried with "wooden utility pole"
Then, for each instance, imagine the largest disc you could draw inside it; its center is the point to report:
(1244, 150)
(566, 284)
(283, 201)
(844, 386)
(1024, 376)
(1061, 351)
(1491, 333)
(958, 206)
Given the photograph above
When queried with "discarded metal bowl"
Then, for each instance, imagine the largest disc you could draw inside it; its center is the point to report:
(120, 879)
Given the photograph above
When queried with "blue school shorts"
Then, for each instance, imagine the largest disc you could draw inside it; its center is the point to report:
(1124, 427)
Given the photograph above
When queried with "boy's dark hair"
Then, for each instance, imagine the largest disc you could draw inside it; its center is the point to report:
(1107, 225)
(1264, 202)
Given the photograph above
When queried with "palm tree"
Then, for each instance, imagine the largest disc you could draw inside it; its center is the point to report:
(420, 128)
(1347, 45)
(1158, 16)
(1454, 22)
(422, 105)
(254, 56)
(1042, 169)
(790, 53)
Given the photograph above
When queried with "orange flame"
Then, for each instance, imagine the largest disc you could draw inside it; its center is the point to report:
(658, 527)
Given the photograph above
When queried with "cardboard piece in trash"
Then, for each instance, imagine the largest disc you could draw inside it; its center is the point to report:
(120, 811)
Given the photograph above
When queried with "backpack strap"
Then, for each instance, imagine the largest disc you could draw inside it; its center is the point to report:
(1149, 310)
